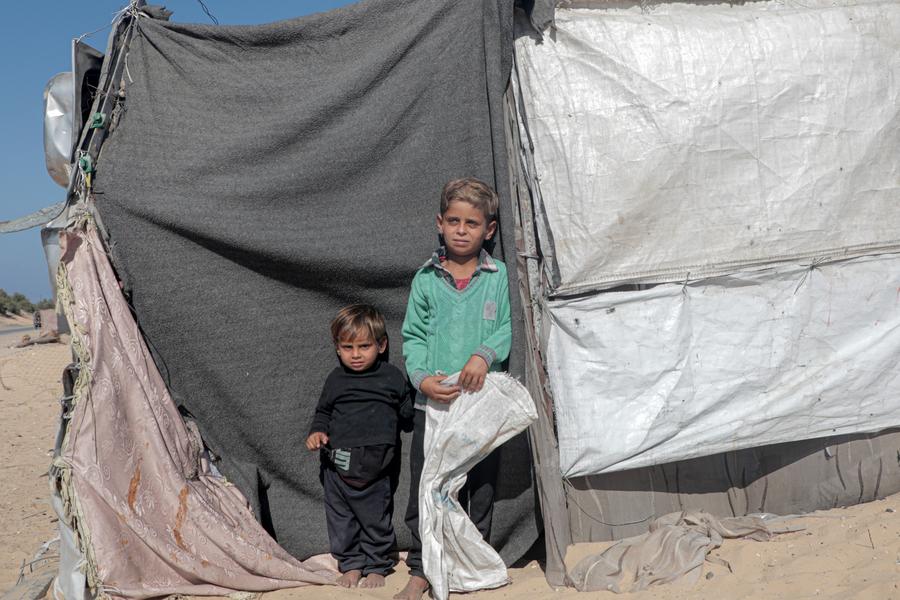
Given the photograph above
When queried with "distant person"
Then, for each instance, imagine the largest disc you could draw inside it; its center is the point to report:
(356, 428)
(457, 319)
(36, 319)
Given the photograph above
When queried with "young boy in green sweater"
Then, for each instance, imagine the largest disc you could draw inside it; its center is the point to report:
(457, 320)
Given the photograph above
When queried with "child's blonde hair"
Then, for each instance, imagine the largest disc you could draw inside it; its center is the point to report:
(475, 192)
(355, 319)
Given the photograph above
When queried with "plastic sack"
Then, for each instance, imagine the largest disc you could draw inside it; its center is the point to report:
(457, 437)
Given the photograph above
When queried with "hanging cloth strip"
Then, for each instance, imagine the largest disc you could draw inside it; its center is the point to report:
(148, 516)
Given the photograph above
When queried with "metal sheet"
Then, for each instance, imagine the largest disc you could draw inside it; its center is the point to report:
(59, 126)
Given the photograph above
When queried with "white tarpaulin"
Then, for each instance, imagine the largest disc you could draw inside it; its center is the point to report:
(755, 358)
(457, 437)
(702, 139)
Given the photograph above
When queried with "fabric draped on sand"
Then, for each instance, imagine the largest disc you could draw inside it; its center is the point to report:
(673, 550)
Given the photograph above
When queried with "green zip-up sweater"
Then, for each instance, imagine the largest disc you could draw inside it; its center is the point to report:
(444, 327)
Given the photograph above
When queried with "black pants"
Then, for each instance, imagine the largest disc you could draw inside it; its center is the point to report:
(476, 496)
(359, 523)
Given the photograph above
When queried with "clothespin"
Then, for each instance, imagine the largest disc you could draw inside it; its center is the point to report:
(98, 120)
(86, 164)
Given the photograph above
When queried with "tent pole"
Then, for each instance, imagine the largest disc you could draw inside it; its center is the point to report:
(544, 447)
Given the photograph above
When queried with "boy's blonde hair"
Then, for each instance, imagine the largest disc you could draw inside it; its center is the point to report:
(355, 319)
(475, 192)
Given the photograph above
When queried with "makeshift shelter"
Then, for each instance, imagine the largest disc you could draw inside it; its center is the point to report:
(700, 203)
(712, 194)
(296, 164)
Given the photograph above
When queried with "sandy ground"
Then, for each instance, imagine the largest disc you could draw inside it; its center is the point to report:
(12, 329)
(29, 410)
(841, 553)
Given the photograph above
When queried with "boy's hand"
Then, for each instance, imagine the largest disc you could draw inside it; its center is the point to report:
(471, 378)
(431, 387)
(316, 440)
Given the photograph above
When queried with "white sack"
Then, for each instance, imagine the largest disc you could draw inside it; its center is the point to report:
(675, 372)
(704, 139)
(457, 437)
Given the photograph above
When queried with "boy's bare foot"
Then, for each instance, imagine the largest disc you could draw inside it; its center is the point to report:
(349, 579)
(372, 580)
(414, 590)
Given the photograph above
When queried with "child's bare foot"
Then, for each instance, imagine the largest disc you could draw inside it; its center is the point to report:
(415, 588)
(372, 580)
(349, 579)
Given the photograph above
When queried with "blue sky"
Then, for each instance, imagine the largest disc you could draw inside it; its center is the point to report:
(36, 44)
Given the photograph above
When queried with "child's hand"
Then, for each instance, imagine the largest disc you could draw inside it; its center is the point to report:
(316, 440)
(471, 378)
(431, 387)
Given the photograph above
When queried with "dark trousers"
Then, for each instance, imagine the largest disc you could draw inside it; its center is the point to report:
(476, 496)
(359, 523)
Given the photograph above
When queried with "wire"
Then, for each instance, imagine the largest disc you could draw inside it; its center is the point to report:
(571, 498)
(208, 14)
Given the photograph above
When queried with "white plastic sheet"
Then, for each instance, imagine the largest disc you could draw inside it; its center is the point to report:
(698, 139)
(457, 437)
(759, 357)
(70, 582)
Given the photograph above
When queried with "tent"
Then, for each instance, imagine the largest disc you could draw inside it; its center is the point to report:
(711, 190)
(294, 165)
(699, 202)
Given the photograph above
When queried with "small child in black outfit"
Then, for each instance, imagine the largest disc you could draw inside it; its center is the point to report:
(356, 427)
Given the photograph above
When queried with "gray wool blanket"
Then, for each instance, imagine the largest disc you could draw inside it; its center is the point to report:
(261, 177)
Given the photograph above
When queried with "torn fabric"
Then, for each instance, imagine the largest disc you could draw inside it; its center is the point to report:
(149, 520)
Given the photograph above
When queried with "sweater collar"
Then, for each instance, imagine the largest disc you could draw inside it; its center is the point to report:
(485, 261)
(374, 368)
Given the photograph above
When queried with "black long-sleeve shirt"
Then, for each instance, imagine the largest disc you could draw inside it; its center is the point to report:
(361, 409)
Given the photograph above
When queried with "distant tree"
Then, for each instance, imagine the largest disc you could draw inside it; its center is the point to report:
(5, 303)
(18, 303)
(22, 304)
(45, 304)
